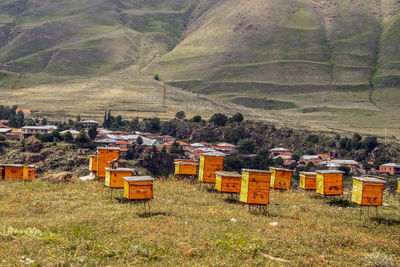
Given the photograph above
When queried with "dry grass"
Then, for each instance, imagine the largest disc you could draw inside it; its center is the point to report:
(77, 224)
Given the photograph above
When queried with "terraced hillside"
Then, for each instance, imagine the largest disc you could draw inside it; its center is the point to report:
(334, 63)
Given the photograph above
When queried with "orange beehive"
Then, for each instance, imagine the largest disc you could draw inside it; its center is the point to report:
(186, 167)
(104, 155)
(367, 191)
(210, 163)
(329, 182)
(228, 182)
(254, 188)
(138, 187)
(18, 171)
(280, 178)
(1, 172)
(93, 163)
(114, 177)
(308, 180)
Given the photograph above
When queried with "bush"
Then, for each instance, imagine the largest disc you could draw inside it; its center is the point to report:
(235, 135)
(68, 137)
(232, 163)
(219, 119)
(238, 117)
(246, 146)
(156, 77)
(82, 138)
(196, 118)
(180, 115)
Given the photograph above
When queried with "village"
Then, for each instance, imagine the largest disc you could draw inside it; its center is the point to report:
(127, 140)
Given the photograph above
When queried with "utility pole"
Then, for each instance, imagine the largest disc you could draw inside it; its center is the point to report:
(385, 136)
(165, 98)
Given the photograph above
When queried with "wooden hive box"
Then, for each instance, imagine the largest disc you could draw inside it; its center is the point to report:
(1, 172)
(308, 180)
(280, 178)
(93, 163)
(114, 177)
(398, 186)
(210, 163)
(18, 171)
(329, 182)
(104, 155)
(138, 187)
(367, 191)
(254, 188)
(228, 182)
(186, 167)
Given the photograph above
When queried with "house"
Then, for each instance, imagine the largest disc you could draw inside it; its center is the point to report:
(324, 157)
(150, 142)
(3, 123)
(285, 155)
(25, 111)
(28, 131)
(119, 133)
(72, 131)
(14, 134)
(165, 138)
(4, 130)
(195, 154)
(305, 159)
(224, 147)
(87, 124)
(168, 145)
(277, 150)
(389, 168)
(149, 135)
(335, 164)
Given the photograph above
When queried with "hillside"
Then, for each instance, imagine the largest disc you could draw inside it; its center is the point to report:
(326, 64)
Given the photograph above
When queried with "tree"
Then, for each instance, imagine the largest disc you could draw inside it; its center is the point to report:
(345, 169)
(219, 119)
(370, 142)
(196, 118)
(295, 157)
(82, 138)
(30, 122)
(134, 124)
(235, 135)
(68, 137)
(153, 125)
(164, 150)
(279, 161)
(44, 121)
(78, 118)
(92, 132)
(139, 140)
(238, 117)
(312, 138)
(176, 149)
(233, 163)
(180, 115)
(246, 146)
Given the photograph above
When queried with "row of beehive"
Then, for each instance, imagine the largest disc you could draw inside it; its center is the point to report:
(106, 166)
(17, 171)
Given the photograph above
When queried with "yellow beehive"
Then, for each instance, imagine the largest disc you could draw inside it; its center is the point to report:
(254, 188)
(114, 177)
(329, 182)
(308, 180)
(398, 186)
(18, 171)
(93, 163)
(367, 191)
(186, 167)
(210, 163)
(228, 182)
(280, 178)
(104, 155)
(138, 187)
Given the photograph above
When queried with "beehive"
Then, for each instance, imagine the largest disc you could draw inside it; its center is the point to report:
(93, 163)
(185, 167)
(104, 155)
(280, 178)
(329, 182)
(398, 186)
(367, 191)
(18, 171)
(228, 182)
(308, 180)
(254, 188)
(114, 177)
(1, 172)
(138, 187)
(375, 176)
(210, 163)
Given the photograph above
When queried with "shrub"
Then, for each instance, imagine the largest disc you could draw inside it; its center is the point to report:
(246, 146)
(196, 118)
(238, 117)
(68, 137)
(180, 115)
(219, 119)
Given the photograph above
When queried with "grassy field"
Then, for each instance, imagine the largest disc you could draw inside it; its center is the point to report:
(51, 224)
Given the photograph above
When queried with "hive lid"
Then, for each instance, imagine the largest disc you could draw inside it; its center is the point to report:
(281, 169)
(369, 180)
(138, 178)
(188, 163)
(108, 148)
(375, 176)
(230, 174)
(119, 169)
(189, 160)
(213, 154)
(15, 165)
(308, 173)
(253, 170)
(328, 171)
